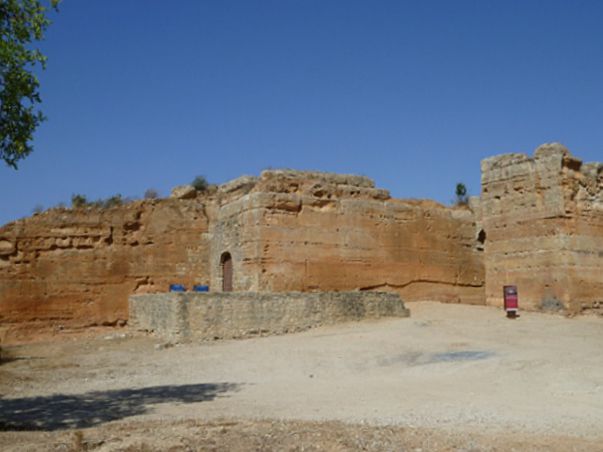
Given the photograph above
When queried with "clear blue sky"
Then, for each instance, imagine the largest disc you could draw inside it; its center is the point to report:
(147, 94)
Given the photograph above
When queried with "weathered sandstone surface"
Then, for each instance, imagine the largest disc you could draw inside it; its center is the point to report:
(538, 224)
(285, 231)
(303, 231)
(543, 219)
(66, 268)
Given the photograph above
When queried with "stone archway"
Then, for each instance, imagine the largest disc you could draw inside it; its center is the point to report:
(227, 272)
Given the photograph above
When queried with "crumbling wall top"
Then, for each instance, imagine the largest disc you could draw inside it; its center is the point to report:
(308, 183)
(552, 150)
(330, 178)
(550, 159)
(242, 185)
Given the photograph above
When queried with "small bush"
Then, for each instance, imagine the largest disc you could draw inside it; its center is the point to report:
(78, 201)
(462, 198)
(113, 201)
(151, 193)
(200, 183)
(39, 208)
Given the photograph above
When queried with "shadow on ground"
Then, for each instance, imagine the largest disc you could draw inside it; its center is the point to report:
(420, 359)
(63, 411)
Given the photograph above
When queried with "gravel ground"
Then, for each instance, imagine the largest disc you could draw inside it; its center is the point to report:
(450, 377)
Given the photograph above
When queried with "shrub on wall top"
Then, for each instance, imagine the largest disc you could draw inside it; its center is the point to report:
(200, 183)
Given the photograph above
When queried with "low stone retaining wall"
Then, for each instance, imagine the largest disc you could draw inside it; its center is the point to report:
(205, 316)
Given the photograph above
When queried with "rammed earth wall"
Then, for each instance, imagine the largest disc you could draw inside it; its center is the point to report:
(538, 224)
(76, 267)
(543, 219)
(308, 231)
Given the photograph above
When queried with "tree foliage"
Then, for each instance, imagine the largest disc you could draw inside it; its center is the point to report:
(22, 22)
(200, 183)
(462, 198)
(79, 201)
(151, 193)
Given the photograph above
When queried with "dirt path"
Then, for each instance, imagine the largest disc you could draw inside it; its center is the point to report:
(452, 371)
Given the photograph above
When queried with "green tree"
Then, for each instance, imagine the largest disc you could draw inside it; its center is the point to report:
(78, 201)
(200, 183)
(462, 198)
(113, 201)
(151, 193)
(22, 22)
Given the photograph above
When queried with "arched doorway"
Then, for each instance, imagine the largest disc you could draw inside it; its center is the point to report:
(226, 264)
(481, 240)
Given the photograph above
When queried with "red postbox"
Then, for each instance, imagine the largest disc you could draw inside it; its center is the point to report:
(511, 301)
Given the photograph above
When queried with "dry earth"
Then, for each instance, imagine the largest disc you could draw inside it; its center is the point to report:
(450, 377)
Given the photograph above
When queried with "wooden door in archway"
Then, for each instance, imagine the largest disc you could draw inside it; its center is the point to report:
(226, 262)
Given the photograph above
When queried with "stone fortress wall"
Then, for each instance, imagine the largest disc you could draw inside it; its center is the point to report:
(70, 268)
(543, 219)
(537, 224)
(304, 231)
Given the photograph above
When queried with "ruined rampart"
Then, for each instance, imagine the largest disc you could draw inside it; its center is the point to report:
(67, 268)
(284, 231)
(303, 231)
(538, 224)
(543, 219)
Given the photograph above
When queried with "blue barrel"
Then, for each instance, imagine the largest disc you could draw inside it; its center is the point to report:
(200, 288)
(177, 288)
